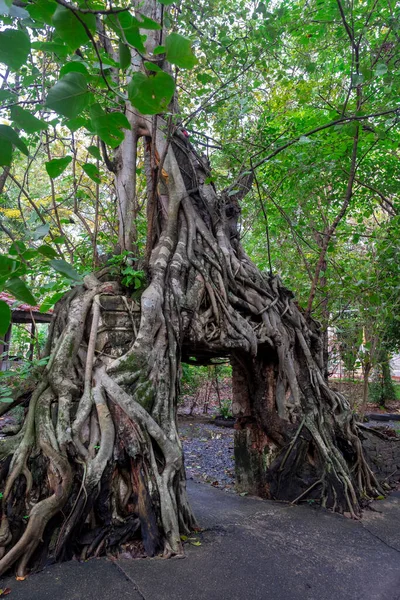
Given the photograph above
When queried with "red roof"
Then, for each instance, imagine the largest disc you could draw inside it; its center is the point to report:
(16, 305)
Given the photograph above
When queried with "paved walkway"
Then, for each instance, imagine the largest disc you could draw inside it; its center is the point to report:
(250, 550)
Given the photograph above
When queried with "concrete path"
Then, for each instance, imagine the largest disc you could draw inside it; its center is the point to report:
(250, 550)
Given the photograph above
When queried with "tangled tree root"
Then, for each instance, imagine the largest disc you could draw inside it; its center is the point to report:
(97, 466)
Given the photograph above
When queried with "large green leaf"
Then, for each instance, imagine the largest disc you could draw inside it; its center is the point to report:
(65, 269)
(26, 120)
(71, 29)
(42, 10)
(92, 172)
(151, 95)
(70, 96)
(7, 266)
(7, 133)
(20, 291)
(108, 126)
(15, 46)
(5, 153)
(5, 317)
(179, 51)
(57, 166)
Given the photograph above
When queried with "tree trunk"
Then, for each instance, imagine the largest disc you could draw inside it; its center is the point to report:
(97, 466)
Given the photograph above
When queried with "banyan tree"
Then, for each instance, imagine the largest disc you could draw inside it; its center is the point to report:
(98, 463)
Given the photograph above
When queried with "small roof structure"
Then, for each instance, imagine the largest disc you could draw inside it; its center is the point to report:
(24, 313)
(20, 313)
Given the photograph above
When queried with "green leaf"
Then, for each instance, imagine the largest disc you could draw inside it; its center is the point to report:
(166, 2)
(146, 23)
(77, 123)
(7, 399)
(16, 248)
(179, 51)
(94, 151)
(71, 29)
(152, 67)
(20, 291)
(5, 153)
(7, 266)
(42, 10)
(57, 48)
(127, 28)
(6, 96)
(151, 95)
(60, 239)
(47, 251)
(92, 172)
(30, 253)
(69, 97)
(15, 46)
(7, 133)
(65, 269)
(57, 166)
(50, 301)
(381, 69)
(124, 56)
(41, 231)
(5, 317)
(108, 125)
(159, 50)
(73, 67)
(26, 120)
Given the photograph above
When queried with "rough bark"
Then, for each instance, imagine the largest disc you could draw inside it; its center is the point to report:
(97, 466)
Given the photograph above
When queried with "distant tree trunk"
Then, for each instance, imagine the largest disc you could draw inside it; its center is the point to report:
(97, 466)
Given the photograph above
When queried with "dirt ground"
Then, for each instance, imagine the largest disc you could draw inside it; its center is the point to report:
(208, 452)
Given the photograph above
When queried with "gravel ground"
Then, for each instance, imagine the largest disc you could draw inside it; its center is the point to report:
(208, 452)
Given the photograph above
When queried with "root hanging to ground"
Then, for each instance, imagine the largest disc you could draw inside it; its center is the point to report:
(97, 466)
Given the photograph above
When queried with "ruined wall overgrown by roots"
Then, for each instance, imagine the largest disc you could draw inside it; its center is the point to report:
(97, 466)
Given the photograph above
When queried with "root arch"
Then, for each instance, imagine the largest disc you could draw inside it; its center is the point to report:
(97, 466)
